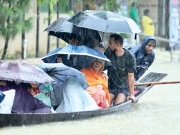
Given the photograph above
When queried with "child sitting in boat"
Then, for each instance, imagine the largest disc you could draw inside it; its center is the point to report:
(98, 84)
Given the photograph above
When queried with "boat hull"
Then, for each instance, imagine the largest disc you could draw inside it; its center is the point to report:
(29, 119)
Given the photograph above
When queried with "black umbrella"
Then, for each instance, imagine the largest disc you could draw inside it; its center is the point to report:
(66, 30)
(104, 21)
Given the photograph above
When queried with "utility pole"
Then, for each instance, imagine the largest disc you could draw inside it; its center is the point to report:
(70, 5)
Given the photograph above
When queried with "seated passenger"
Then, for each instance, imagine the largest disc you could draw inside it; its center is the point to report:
(59, 59)
(24, 102)
(62, 58)
(98, 84)
(41, 92)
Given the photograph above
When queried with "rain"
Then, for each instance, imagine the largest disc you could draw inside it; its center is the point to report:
(33, 38)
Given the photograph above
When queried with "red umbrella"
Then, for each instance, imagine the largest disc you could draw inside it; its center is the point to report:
(23, 72)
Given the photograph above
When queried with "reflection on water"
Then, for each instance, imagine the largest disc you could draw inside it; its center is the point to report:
(156, 113)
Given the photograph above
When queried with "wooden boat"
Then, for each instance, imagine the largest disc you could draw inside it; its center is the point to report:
(28, 119)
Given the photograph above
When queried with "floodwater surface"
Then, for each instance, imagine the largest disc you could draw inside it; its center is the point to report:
(156, 113)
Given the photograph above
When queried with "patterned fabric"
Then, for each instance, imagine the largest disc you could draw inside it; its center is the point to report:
(143, 61)
(118, 77)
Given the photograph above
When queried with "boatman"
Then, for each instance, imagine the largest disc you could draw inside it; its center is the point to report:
(144, 55)
(121, 78)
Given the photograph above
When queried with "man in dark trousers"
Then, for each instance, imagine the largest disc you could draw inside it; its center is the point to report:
(144, 55)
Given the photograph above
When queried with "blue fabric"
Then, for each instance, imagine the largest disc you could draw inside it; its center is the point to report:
(1, 96)
(75, 98)
(77, 57)
(143, 60)
(82, 50)
(60, 72)
(51, 56)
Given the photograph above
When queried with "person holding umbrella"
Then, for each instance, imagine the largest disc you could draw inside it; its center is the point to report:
(121, 78)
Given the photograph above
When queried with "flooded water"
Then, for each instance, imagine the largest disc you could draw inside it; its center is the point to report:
(156, 113)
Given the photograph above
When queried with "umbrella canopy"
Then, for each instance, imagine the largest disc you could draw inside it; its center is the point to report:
(23, 72)
(82, 50)
(51, 57)
(83, 61)
(73, 50)
(66, 30)
(60, 72)
(104, 21)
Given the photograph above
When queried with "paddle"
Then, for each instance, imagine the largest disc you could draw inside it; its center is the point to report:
(156, 83)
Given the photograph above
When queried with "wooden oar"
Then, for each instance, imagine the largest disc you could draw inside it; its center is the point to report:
(155, 83)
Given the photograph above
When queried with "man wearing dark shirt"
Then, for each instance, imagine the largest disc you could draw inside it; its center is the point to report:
(121, 78)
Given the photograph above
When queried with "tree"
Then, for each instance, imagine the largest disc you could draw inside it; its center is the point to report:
(111, 5)
(88, 4)
(37, 29)
(39, 2)
(11, 22)
(51, 4)
(57, 12)
(26, 23)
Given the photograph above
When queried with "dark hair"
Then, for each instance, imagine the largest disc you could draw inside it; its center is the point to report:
(102, 46)
(117, 38)
(133, 4)
(74, 36)
(146, 11)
